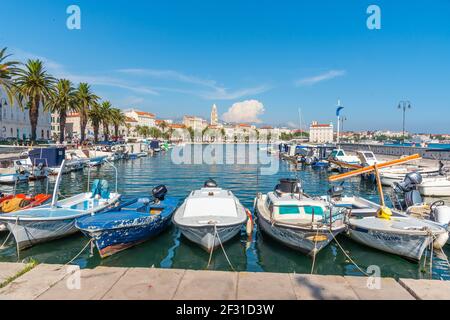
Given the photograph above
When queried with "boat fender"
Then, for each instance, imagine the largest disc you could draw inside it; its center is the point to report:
(384, 213)
(249, 227)
(441, 214)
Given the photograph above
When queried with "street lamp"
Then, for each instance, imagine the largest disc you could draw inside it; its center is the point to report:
(3, 102)
(404, 105)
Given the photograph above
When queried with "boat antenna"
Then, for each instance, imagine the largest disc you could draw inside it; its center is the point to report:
(58, 181)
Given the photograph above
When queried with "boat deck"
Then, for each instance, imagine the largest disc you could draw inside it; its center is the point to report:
(50, 282)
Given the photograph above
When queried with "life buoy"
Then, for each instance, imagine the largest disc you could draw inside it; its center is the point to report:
(249, 227)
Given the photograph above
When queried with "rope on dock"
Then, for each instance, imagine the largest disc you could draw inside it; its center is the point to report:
(348, 257)
(90, 242)
(314, 252)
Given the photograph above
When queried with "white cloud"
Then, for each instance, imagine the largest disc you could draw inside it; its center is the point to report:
(209, 89)
(244, 112)
(319, 78)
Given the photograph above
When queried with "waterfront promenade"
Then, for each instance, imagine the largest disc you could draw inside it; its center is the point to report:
(55, 282)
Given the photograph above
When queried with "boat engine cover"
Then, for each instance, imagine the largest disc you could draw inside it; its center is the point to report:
(159, 192)
(413, 178)
(336, 191)
(442, 215)
(210, 183)
(413, 198)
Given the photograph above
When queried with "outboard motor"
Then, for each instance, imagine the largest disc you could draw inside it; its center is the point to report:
(210, 183)
(336, 192)
(289, 186)
(407, 191)
(159, 192)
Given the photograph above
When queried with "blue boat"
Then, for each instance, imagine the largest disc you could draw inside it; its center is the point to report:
(129, 224)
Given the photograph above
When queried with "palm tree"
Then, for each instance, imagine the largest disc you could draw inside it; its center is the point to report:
(117, 119)
(191, 133)
(62, 102)
(143, 131)
(224, 134)
(155, 133)
(106, 118)
(34, 86)
(204, 131)
(170, 133)
(7, 70)
(163, 125)
(85, 100)
(95, 114)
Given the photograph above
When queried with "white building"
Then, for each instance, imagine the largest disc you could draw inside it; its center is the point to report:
(196, 123)
(143, 118)
(321, 133)
(15, 122)
(214, 116)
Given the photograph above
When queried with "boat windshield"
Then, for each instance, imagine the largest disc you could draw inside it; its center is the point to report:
(297, 210)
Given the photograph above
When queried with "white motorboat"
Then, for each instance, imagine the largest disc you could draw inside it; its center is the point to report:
(339, 160)
(297, 220)
(56, 220)
(11, 173)
(390, 176)
(38, 170)
(210, 216)
(437, 186)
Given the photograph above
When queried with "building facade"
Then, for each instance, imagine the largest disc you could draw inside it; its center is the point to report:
(321, 133)
(15, 122)
(144, 119)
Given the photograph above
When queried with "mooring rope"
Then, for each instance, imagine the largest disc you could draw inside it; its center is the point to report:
(348, 257)
(79, 253)
(314, 252)
(216, 234)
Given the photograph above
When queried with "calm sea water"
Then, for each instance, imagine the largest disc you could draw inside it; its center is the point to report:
(260, 253)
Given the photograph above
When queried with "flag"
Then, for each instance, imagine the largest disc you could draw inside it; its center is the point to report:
(338, 110)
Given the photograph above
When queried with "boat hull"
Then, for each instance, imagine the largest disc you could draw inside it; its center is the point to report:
(305, 240)
(112, 241)
(205, 237)
(435, 190)
(30, 233)
(408, 246)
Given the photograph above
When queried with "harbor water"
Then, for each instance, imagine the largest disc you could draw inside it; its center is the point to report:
(136, 178)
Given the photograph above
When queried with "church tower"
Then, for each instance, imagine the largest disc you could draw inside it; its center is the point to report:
(214, 116)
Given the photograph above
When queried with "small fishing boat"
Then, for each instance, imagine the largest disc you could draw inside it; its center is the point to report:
(390, 176)
(129, 224)
(56, 220)
(340, 161)
(210, 216)
(11, 173)
(38, 168)
(379, 227)
(297, 220)
(437, 186)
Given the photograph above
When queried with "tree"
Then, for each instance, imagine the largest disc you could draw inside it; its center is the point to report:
(191, 133)
(106, 118)
(95, 115)
(62, 102)
(155, 133)
(34, 87)
(143, 131)
(163, 125)
(8, 69)
(204, 131)
(85, 100)
(117, 119)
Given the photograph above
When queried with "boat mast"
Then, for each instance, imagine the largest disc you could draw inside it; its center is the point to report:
(58, 181)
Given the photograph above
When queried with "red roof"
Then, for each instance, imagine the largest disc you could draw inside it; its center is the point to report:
(128, 119)
(244, 125)
(73, 115)
(321, 126)
(145, 114)
(266, 127)
(178, 126)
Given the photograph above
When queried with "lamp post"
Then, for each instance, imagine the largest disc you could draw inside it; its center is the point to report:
(3, 102)
(404, 105)
(343, 118)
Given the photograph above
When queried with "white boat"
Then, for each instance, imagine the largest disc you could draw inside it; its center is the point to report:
(340, 160)
(390, 176)
(400, 234)
(57, 220)
(438, 186)
(297, 220)
(38, 170)
(210, 216)
(11, 173)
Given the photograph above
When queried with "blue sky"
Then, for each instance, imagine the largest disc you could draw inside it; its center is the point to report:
(180, 57)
